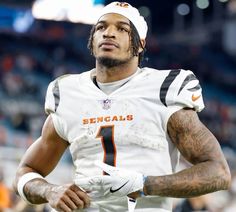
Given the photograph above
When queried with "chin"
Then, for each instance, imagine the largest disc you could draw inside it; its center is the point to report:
(110, 62)
(108, 55)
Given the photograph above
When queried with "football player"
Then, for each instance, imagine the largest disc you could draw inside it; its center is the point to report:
(125, 127)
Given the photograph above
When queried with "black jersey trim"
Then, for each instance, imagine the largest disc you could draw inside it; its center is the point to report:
(197, 87)
(188, 79)
(166, 84)
(56, 94)
(95, 81)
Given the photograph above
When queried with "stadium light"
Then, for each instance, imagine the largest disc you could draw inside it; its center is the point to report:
(145, 11)
(83, 11)
(183, 9)
(202, 4)
(23, 21)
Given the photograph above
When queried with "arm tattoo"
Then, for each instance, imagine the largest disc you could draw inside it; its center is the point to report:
(197, 145)
(36, 190)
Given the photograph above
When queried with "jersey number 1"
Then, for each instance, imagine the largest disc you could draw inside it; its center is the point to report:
(106, 133)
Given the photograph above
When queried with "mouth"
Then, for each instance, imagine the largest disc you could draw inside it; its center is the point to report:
(108, 45)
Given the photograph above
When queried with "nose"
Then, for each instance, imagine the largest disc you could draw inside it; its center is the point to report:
(109, 32)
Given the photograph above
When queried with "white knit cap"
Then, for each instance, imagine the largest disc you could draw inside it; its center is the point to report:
(129, 12)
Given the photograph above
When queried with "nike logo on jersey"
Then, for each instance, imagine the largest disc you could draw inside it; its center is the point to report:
(115, 190)
(195, 98)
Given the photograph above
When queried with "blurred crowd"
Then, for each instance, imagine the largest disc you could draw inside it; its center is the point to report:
(28, 62)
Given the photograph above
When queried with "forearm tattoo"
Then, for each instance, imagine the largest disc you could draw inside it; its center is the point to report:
(197, 145)
(36, 190)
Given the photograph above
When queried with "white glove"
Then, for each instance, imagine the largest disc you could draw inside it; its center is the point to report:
(119, 182)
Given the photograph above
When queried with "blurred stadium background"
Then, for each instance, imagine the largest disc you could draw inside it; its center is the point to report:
(40, 40)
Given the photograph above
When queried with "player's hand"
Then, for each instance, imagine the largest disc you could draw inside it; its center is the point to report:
(120, 182)
(67, 198)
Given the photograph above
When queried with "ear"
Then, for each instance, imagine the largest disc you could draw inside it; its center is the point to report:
(143, 42)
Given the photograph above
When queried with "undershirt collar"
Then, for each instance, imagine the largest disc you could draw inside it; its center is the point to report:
(110, 87)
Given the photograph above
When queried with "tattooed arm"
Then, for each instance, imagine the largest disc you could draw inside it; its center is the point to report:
(197, 145)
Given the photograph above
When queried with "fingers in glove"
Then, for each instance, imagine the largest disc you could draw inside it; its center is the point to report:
(106, 168)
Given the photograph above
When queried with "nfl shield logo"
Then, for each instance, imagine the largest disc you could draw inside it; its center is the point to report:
(106, 104)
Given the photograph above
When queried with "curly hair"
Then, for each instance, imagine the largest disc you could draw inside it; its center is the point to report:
(135, 42)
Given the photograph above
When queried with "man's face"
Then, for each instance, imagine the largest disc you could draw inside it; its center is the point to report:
(111, 39)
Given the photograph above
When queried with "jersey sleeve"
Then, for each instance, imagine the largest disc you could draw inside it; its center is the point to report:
(181, 89)
(52, 101)
(185, 91)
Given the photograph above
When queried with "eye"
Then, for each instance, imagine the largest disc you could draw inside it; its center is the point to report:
(123, 29)
(100, 27)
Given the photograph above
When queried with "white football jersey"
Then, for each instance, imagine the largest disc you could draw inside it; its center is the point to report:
(127, 128)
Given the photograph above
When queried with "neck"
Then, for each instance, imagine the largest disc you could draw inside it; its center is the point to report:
(110, 74)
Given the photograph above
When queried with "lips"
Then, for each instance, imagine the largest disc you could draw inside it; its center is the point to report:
(108, 45)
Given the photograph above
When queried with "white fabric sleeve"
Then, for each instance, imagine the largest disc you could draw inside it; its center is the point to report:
(49, 105)
(184, 92)
(52, 102)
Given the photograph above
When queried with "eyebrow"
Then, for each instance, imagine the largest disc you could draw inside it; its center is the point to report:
(119, 22)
